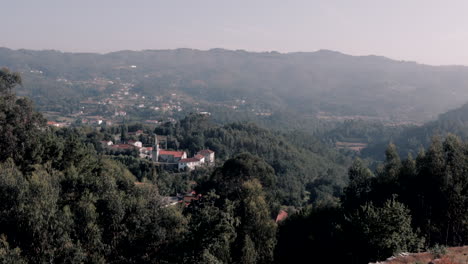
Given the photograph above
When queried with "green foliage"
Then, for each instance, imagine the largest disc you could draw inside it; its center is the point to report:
(314, 234)
(301, 163)
(257, 228)
(380, 232)
(438, 251)
(412, 139)
(8, 80)
(359, 186)
(142, 169)
(409, 204)
(8, 255)
(212, 228)
(234, 226)
(62, 200)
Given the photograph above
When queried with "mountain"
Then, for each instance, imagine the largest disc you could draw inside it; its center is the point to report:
(324, 84)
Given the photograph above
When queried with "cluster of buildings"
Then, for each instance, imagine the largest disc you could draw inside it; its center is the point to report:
(144, 152)
(169, 158)
(203, 157)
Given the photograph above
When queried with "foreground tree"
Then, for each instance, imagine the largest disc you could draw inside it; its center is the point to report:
(376, 233)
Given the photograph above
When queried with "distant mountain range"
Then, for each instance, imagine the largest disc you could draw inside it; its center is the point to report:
(324, 84)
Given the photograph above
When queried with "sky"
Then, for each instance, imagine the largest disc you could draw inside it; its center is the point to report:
(426, 31)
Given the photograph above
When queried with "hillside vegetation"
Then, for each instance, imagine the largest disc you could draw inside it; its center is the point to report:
(412, 139)
(304, 84)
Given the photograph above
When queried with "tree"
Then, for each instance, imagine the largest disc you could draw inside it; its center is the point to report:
(212, 228)
(359, 187)
(8, 80)
(20, 125)
(257, 231)
(9, 255)
(377, 233)
(314, 233)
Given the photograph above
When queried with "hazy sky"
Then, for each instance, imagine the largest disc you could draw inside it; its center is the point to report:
(426, 31)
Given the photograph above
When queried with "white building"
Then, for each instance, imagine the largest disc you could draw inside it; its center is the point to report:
(189, 163)
(107, 143)
(146, 152)
(138, 144)
(209, 156)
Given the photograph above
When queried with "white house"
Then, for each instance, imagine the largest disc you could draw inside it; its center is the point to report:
(138, 144)
(189, 163)
(209, 156)
(146, 152)
(201, 158)
(107, 143)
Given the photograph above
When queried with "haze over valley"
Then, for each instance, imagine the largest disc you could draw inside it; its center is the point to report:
(325, 85)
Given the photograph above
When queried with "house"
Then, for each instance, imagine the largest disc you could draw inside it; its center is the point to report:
(189, 197)
(201, 158)
(146, 152)
(107, 143)
(152, 121)
(137, 144)
(282, 215)
(55, 124)
(209, 156)
(166, 156)
(52, 123)
(180, 158)
(171, 156)
(189, 163)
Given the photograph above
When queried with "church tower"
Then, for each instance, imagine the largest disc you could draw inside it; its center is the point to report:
(155, 154)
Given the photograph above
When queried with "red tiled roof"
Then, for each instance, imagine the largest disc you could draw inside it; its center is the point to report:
(177, 154)
(281, 216)
(199, 157)
(205, 152)
(123, 146)
(189, 160)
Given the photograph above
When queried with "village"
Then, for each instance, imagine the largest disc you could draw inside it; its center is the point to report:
(124, 102)
(168, 159)
(173, 160)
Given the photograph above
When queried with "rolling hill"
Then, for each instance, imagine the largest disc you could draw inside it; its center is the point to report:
(324, 84)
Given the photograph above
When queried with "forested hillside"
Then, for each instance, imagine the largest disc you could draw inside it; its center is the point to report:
(307, 170)
(326, 84)
(413, 139)
(405, 205)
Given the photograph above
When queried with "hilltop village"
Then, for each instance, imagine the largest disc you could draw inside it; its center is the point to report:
(169, 159)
